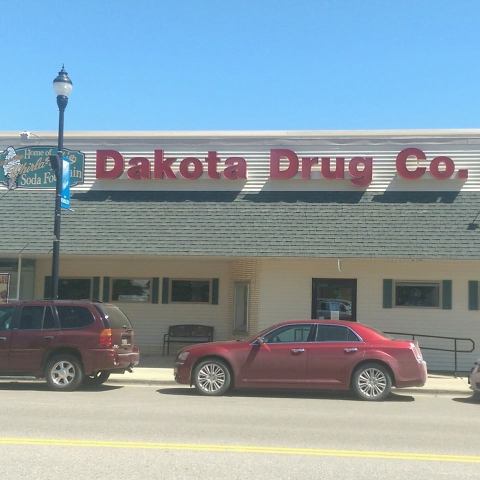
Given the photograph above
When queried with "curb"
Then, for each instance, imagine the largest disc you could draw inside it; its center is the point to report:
(121, 380)
(139, 381)
(411, 391)
(432, 391)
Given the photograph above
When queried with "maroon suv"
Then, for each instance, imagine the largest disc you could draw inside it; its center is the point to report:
(66, 342)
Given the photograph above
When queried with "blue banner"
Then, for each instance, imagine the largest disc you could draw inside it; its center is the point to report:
(65, 192)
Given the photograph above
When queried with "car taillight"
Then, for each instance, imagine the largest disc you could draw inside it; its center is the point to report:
(105, 339)
(416, 351)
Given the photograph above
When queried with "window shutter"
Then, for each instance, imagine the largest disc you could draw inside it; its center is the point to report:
(473, 295)
(215, 291)
(96, 288)
(155, 287)
(387, 293)
(165, 287)
(447, 294)
(106, 289)
(47, 288)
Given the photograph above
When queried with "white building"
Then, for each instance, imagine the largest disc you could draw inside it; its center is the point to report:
(239, 230)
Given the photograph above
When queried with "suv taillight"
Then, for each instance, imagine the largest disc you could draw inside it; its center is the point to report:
(105, 339)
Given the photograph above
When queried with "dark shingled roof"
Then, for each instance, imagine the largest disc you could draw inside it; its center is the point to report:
(278, 224)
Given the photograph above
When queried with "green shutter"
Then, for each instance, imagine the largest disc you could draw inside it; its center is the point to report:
(215, 291)
(165, 286)
(447, 294)
(47, 288)
(106, 289)
(473, 295)
(387, 293)
(96, 288)
(155, 286)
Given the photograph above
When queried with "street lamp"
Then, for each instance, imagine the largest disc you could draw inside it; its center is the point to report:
(62, 85)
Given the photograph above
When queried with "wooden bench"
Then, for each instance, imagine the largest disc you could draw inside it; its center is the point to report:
(186, 334)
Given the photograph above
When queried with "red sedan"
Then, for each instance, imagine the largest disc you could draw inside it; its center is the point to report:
(308, 354)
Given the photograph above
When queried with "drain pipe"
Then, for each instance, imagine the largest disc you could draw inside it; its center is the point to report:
(19, 272)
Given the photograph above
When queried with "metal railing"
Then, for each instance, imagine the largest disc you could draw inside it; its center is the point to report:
(455, 349)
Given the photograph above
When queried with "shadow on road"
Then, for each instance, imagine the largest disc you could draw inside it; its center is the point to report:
(470, 399)
(43, 387)
(191, 392)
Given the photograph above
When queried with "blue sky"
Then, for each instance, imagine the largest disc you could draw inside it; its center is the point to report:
(242, 65)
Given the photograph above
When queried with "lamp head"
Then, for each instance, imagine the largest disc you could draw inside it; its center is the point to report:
(62, 85)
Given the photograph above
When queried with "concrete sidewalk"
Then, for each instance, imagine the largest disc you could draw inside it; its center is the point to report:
(158, 370)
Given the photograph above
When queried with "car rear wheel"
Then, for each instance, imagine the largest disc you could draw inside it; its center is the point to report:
(96, 379)
(212, 377)
(372, 381)
(64, 372)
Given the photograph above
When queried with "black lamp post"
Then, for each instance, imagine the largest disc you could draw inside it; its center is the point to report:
(63, 87)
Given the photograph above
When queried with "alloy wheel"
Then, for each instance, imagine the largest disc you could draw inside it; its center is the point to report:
(63, 373)
(212, 377)
(372, 382)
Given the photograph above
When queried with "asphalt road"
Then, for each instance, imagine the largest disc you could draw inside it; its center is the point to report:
(148, 432)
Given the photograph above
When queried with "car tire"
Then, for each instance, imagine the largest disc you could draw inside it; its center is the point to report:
(64, 373)
(212, 377)
(372, 382)
(96, 379)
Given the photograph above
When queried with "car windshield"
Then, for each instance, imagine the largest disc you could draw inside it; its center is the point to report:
(261, 333)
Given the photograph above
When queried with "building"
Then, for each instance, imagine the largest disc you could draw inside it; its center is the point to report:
(239, 230)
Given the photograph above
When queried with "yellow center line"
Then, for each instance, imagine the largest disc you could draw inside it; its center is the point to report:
(318, 452)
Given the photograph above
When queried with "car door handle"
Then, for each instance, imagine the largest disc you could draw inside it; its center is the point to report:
(3, 338)
(297, 350)
(350, 350)
(49, 337)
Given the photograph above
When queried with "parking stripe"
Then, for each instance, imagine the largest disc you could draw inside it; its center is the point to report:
(318, 452)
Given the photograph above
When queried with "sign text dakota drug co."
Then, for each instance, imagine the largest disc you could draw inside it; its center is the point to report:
(284, 164)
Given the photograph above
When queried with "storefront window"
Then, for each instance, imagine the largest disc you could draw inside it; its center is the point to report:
(195, 291)
(75, 288)
(131, 290)
(417, 294)
(334, 299)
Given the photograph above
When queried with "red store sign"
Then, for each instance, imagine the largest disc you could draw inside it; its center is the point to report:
(285, 164)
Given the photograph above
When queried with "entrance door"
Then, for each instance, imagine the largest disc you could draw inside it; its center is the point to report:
(334, 299)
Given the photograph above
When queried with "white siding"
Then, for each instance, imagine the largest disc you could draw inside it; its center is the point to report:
(281, 289)
(463, 146)
(151, 321)
(286, 287)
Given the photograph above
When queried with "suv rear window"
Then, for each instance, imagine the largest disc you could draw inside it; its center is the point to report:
(74, 317)
(114, 317)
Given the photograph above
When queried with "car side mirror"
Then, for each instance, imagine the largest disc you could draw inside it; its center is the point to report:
(258, 341)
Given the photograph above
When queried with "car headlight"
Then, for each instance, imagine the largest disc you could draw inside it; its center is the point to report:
(182, 356)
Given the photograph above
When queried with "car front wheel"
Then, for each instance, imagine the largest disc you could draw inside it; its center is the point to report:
(212, 377)
(372, 381)
(64, 372)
